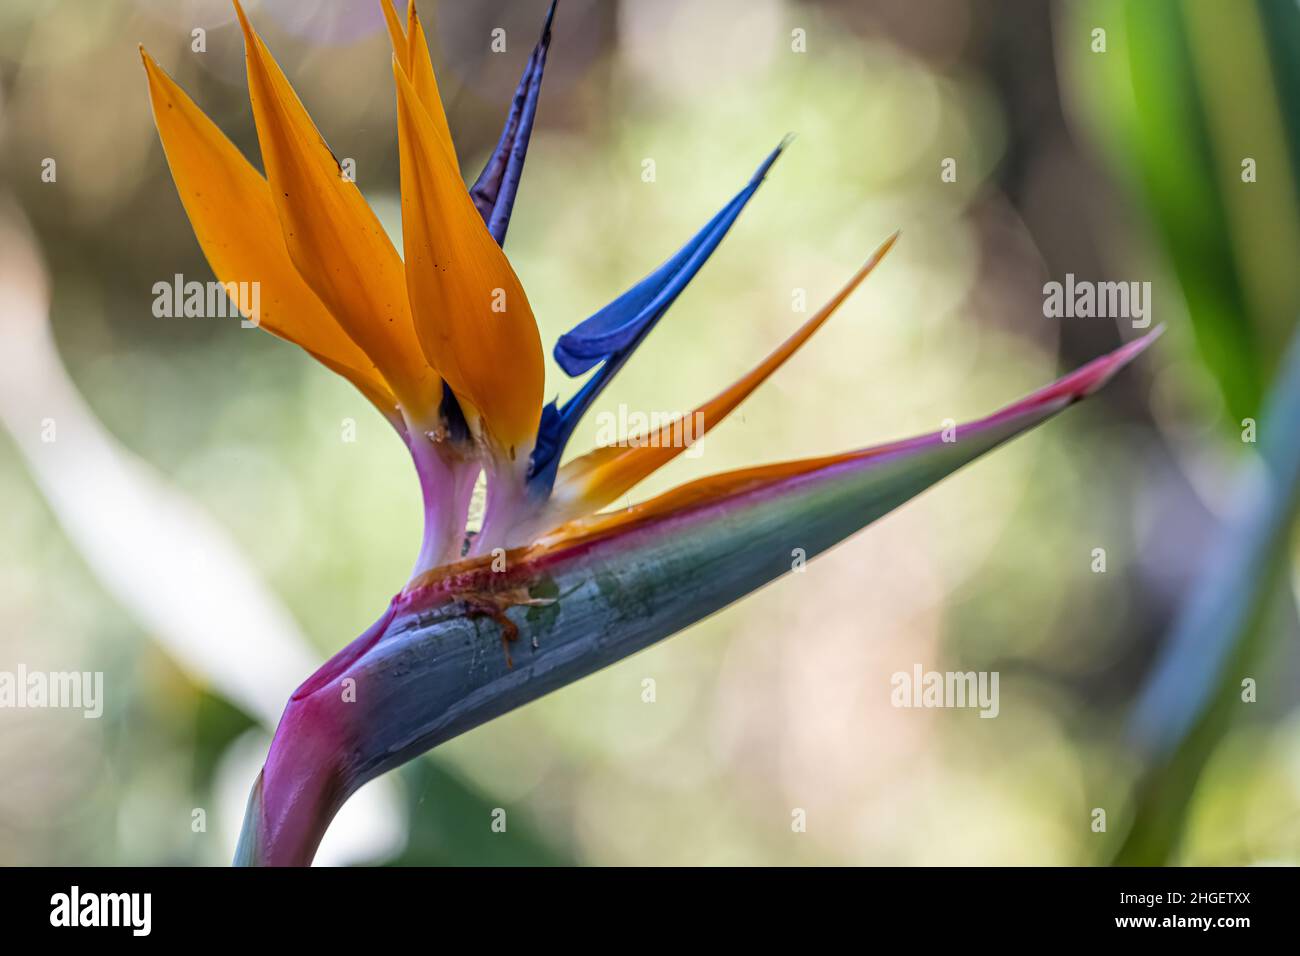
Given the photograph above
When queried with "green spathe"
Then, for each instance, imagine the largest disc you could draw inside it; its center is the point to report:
(434, 665)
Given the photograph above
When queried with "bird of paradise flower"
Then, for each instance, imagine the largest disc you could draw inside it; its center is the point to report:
(445, 346)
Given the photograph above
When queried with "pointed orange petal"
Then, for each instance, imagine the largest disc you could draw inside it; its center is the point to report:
(606, 474)
(213, 179)
(333, 237)
(395, 34)
(475, 323)
(419, 67)
(912, 463)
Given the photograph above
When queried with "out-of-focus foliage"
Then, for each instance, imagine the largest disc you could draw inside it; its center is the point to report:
(1189, 98)
(1213, 660)
(1196, 106)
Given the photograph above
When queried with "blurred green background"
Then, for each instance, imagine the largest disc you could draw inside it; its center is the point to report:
(1122, 163)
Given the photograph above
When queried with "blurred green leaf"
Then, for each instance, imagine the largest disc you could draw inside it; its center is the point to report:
(1181, 97)
(1240, 600)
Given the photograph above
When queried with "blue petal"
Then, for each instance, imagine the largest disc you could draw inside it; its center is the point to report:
(612, 334)
(552, 436)
(494, 190)
(622, 323)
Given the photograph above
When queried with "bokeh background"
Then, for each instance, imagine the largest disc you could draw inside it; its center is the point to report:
(196, 457)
